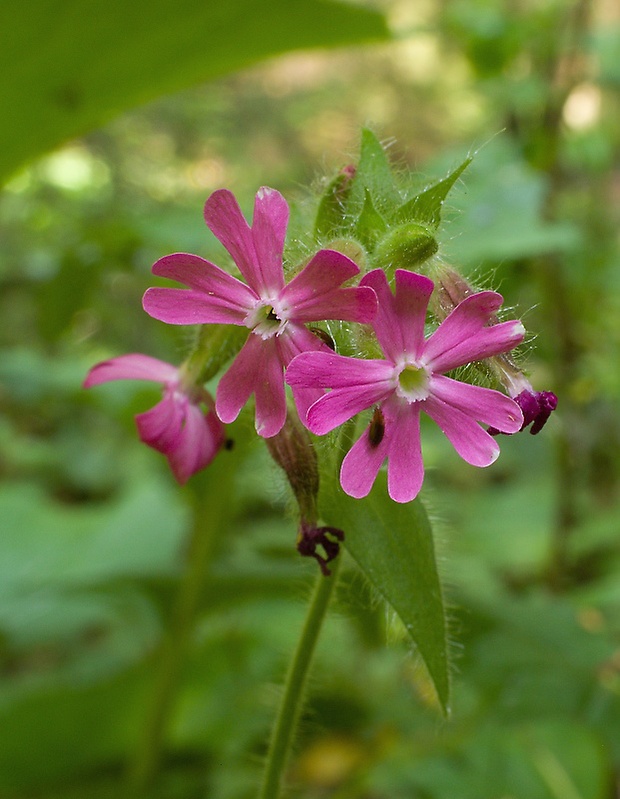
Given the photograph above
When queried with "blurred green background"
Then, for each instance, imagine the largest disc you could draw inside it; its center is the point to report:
(122, 672)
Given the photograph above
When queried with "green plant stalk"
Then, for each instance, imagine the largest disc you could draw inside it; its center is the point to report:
(294, 687)
(207, 509)
(295, 683)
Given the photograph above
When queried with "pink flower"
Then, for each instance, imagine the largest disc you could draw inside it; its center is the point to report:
(176, 426)
(409, 380)
(274, 312)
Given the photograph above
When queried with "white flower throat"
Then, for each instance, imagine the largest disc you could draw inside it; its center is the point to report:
(267, 319)
(413, 383)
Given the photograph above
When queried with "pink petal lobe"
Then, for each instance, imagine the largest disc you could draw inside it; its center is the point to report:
(349, 304)
(399, 324)
(483, 404)
(326, 271)
(342, 404)
(205, 277)
(315, 293)
(225, 220)
(361, 465)
(189, 307)
(134, 366)
(160, 427)
(329, 370)
(269, 232)
(465, 335)
(298, 339)
(256, 370)
(238, 383)
(198, 443)
(471, 442)
(270, 393)
(405, 465)
(486, 342)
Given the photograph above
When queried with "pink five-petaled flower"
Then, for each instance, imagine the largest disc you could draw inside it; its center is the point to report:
(409, 380)
(274, 312)
(176, 426)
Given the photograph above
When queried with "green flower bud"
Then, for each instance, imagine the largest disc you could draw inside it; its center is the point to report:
(405, 247)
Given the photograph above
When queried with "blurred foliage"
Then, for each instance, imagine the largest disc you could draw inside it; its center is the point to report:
(86, 64)
(95, 535)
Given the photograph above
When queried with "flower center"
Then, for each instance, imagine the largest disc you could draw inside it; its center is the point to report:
(267, 320)
(413, 383)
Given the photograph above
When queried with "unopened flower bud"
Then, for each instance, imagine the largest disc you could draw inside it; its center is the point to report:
(405, 247)
(451, 288)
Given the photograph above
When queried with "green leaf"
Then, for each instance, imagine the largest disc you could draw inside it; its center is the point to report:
(393, 545)
(66, 68)
(373, 175)
(426, 207)
(370, 224)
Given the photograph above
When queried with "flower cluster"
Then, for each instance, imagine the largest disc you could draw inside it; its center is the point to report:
(274, 312)
(328, 388)
(409, 380)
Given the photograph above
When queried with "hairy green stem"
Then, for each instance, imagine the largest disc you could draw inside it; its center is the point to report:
(294, 687)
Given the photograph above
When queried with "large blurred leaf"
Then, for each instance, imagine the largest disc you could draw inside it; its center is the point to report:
(68, 67)
(67, 611)
(45, 543)
(542, 760)
(393, 545)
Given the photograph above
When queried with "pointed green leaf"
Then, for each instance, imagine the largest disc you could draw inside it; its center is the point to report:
(374, 175)
(426, 207)
(393, 545)
(370, 225)
(66, 68)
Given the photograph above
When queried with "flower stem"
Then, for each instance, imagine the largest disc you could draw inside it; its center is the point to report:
(294, 687)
